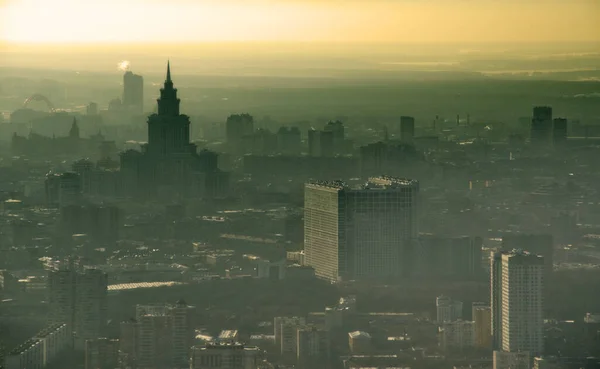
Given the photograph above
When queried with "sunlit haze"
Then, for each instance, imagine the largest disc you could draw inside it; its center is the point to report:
(66, 21)
(308, 184)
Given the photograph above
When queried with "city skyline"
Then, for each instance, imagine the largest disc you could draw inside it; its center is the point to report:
(308, 184)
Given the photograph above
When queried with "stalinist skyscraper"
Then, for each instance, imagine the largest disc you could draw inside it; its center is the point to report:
(169, 166)
(169, 131)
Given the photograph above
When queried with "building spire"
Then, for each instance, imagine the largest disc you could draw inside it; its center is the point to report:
(74, 132)
(168, 103)
(168, 71)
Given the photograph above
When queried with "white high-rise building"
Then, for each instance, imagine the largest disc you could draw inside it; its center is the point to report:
(496, 298)
(360, 232)
(517, 301)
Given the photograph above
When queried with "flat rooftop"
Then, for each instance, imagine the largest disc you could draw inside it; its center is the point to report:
(374, 183)
(133, 286)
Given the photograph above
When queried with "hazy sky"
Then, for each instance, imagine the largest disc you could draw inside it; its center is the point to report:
(58, 21)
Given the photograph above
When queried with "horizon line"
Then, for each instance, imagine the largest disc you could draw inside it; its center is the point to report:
(308, 42)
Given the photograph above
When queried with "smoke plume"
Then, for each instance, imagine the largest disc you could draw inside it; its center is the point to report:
(123, 65)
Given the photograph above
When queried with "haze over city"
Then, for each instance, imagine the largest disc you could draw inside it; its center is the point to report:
(438, 21)
(299, 184)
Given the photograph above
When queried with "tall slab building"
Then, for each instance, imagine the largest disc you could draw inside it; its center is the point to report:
(517, 279)
(541, 126)
(361, 232)
(164, 335)
(133, 92)
(79, 300)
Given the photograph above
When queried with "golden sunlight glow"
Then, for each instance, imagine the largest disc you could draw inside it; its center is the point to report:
(64, 21)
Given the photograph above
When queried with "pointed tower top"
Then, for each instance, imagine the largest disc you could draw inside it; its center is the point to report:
(168, 103)
(74, 132)
(168, 71)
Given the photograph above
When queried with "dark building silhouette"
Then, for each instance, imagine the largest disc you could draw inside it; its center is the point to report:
(133, 92)
(115, 105)
(74, 131)
(237, 127)
(108, 150)
(84, 168)
(541, 125)
(407, 128)
(92, 109)
(168, 167)
(209, 161)
(72, 144)
(559, 131)
(321, 143)
(261, 141)
(339, 135)
(289, 140)
(337, 128)
(101, 178)
(164, 335)
(299, 167)
(168, 131)
(384, 157)
(78, 299)
(52, 188)
(62, 189)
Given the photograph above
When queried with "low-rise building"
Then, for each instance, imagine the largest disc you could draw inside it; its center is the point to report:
(101, 353)
(55, 339)
(224, 355)
(285, 329)
(482, 317)
(313, 347)
(359, 342)
(457, 335)
(447, 309)
(229, 335)
(40, 350)
(29, 354)
(546, 363)
(511, 360)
